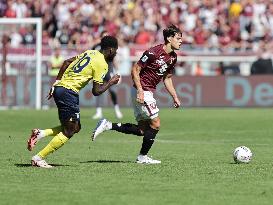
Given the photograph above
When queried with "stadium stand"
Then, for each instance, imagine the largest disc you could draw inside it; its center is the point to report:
(221, 37)
(210, 27)
(214, 24)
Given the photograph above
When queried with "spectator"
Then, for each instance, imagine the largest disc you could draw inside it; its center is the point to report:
(143, 37)
(28, 36)
(50, 23)
(20, 8)
(263, 65)
(15, 38)
(10, 12)
(63, 35)
(56, 62)
(3, 7)
(235, 9)
(35, 9)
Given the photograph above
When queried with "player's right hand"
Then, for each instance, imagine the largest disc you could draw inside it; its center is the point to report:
(177, 102)
(115, 79)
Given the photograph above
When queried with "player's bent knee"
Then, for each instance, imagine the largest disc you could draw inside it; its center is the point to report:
(155, 123)
(70, 128)
(68, 132)
(142, 132)
(78, 128)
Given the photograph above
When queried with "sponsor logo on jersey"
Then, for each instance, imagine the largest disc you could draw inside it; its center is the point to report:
(163, 66)
(144, 58)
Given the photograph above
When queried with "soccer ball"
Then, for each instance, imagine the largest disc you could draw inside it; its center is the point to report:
(242, 154)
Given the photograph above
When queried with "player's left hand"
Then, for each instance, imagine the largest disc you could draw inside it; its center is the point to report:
(50, 93)
(176, 102)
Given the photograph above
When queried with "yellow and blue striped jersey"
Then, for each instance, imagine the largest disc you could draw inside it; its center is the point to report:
(87, 66)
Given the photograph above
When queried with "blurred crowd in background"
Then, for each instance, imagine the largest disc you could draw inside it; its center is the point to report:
(225, 25)
(210, 27)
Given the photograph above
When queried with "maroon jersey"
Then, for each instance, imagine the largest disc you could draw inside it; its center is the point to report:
(155, 63)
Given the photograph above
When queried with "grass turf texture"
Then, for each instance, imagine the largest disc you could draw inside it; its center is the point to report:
(195, 146)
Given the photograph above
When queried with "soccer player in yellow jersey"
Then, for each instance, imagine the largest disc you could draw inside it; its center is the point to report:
(74, 74)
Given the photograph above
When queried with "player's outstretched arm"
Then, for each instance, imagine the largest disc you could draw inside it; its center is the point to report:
(98, 89)
(170, 88)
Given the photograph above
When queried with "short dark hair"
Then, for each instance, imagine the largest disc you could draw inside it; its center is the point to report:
(103, 33)
(109, 42)
(170, 31)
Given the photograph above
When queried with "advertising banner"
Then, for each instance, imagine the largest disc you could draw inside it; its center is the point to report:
(211, 91)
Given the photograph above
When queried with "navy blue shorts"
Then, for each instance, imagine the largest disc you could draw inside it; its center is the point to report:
(67, 102)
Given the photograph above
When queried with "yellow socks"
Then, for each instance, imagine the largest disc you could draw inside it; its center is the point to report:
(49, 132)
(58, 141)
(53, 131)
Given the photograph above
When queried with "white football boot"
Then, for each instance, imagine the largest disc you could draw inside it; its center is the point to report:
(36, 161)
(144, 159)
(103, 125)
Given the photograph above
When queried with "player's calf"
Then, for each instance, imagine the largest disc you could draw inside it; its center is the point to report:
(148, 140)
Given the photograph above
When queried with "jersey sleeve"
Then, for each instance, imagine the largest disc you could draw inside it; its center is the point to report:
(146, 59)
(99, 73)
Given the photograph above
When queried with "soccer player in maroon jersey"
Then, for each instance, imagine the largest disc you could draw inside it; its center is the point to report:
(156, 63)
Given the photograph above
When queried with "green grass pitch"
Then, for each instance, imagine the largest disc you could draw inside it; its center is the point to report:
(195, 146)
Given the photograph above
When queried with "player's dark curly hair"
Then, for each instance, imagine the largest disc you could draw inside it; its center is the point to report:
(170, 31)
(109, 42)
